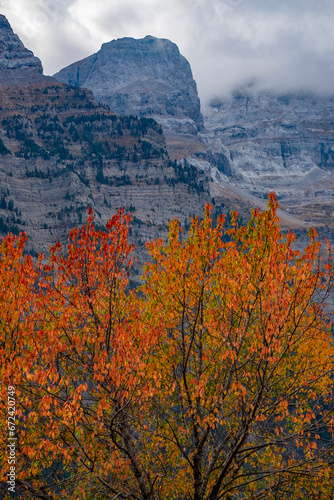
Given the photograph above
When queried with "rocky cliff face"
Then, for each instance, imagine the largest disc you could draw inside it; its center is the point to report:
(147, 77)
(261, 141)
(61, 152)
(68, 151)
(252, 143)
(18, 65)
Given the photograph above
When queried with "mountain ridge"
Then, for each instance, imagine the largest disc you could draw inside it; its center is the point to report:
(148, 66)
(145, 77)
(252, 142)
(55, 138)
(18, 65)
(61, 152)
(269, 141)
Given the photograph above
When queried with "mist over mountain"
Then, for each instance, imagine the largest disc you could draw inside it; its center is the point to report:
(265, 141)
(285, 46)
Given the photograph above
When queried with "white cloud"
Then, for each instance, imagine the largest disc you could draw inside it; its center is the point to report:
(286, 44)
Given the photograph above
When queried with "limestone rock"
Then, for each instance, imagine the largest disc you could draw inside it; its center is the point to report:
(146, 77)
(18, 65)
(262, 141)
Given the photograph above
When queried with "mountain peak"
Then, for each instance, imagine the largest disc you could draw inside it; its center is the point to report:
(4, 24)
(143, 77)
(18, 65)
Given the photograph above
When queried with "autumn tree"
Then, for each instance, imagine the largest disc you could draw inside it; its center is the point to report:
(78, 358)
(214, 382)
(245, 361)
(18, 303)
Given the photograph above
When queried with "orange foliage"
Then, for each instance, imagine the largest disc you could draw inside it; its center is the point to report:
(214, 382)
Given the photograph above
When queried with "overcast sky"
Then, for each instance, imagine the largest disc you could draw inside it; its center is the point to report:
(286, 44)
